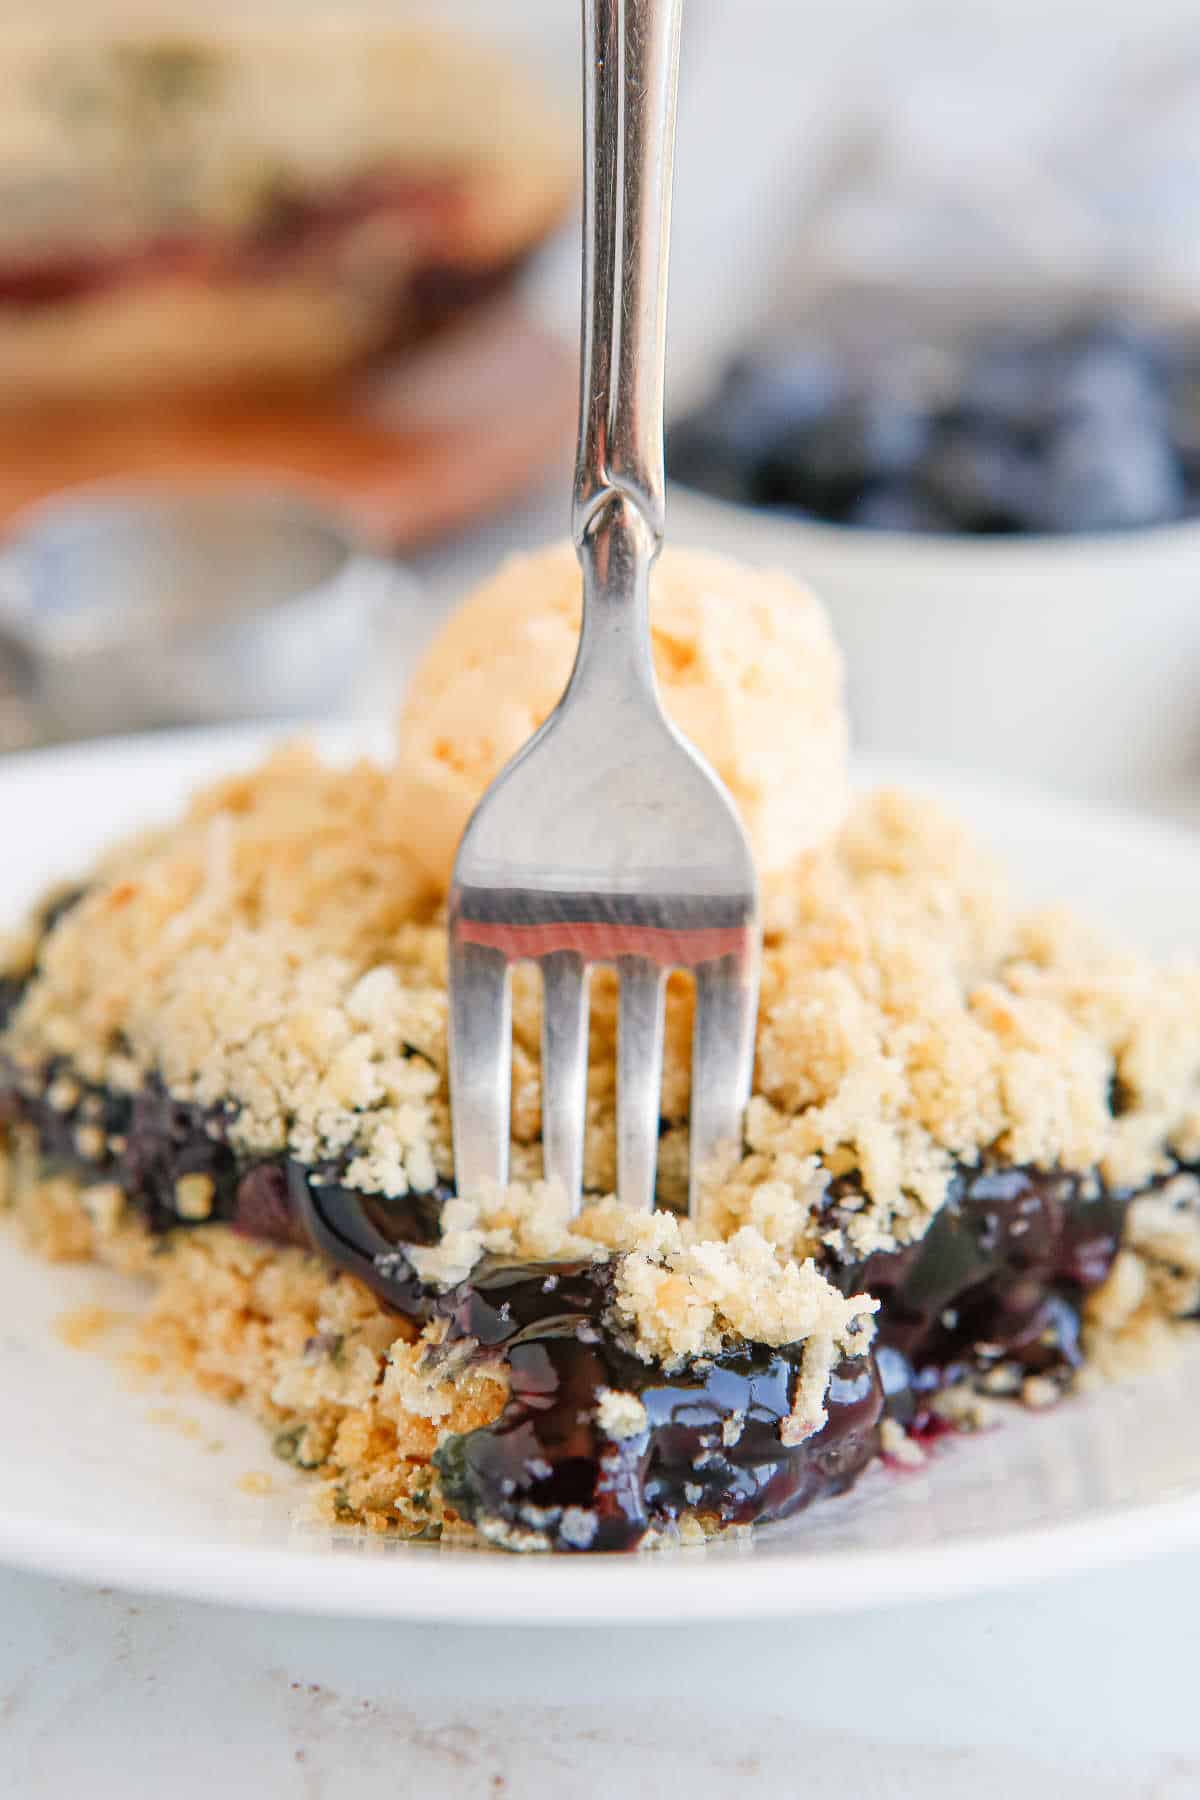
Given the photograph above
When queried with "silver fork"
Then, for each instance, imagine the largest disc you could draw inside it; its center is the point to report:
(607, 839)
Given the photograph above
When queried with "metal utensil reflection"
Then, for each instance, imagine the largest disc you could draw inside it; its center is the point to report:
(125, 609)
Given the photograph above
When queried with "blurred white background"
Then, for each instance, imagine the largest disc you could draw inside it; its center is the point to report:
(947, 143)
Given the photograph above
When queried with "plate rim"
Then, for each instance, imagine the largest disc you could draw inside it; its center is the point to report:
(674, 1586)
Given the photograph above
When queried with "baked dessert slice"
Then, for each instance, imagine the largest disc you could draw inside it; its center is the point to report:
(969, 1168)
(212, 205)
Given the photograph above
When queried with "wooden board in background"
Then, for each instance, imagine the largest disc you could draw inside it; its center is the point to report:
(413, 454)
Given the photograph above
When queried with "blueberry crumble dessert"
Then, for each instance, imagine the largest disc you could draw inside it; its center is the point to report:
(970, 1168)
(1088, 425)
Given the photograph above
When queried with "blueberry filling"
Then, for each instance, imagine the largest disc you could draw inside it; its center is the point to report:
(711, 1435)
(997, 1279)
(13, 986)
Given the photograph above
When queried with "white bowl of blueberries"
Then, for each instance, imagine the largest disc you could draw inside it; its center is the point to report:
(1004, 522)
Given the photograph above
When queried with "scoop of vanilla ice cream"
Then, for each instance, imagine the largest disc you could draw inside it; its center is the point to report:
(747, 667)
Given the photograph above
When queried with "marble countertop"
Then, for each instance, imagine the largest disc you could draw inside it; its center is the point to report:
(1084, 1688)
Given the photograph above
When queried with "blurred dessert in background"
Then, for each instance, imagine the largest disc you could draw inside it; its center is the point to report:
(255, 206)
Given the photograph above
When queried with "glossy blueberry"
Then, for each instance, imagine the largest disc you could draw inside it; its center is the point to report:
(826, 465)
(1107, 382)
(1005, 388)
(782, 386)
(761, 400)
(1110, 479)
(702, 453)
(982, 482)
(896, 507)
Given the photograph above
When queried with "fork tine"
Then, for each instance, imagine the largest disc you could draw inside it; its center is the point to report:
(722, 1061)
(639, 1079)
(564, 1070)
(480, 1062)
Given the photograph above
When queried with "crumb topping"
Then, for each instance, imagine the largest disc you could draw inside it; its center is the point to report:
(278, 952)
(620, 1415)
(265, 955)
(913, 1018)
(677, 1293)
(686, 1300)
(1153, 1288)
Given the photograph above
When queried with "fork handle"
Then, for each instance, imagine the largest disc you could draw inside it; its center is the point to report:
(630, 67)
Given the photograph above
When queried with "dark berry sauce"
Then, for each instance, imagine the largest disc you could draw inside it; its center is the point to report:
(998, 1278)
(710, 1442)
(12, 986)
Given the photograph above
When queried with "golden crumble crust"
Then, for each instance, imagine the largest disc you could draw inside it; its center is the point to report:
(278, 949)
(339, 1380)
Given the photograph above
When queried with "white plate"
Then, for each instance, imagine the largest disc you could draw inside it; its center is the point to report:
(95, 1483)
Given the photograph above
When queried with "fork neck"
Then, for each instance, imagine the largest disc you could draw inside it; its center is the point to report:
(616, 553)
(631, 63)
